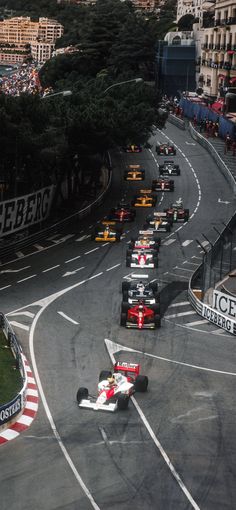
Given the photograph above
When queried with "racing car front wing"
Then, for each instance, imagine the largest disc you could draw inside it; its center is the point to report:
(97, 406)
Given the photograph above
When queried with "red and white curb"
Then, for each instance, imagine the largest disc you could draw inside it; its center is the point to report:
(30, 410)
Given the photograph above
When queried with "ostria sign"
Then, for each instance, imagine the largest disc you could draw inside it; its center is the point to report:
(21, 212)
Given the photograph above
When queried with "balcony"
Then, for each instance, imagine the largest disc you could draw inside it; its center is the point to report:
(204, 46)
(222, 47)
(231, 21)
(210, 46)
(216, 46)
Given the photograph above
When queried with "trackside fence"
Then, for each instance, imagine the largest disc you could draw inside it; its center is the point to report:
(216, 264)
(10, 410)
(6, 252)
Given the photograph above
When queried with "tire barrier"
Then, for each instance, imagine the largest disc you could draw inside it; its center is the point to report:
(12, 409)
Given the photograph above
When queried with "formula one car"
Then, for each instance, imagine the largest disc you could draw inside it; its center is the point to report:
(134, 173)
(114, 389)
(146, 240)
(169, 168)
(144, 199)
(122, 213)
(132, 148)
(140, 316)
(107, 231)
(165, 149)
(158, 222)
(140, 290)
(141, 258)
(163, 184)
(177, 212)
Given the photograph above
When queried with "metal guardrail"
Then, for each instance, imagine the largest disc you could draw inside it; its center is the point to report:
(11, 409)
(7, 251)
(213, 152)
(176, 121)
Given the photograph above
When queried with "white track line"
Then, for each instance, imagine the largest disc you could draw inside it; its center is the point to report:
(67, 318)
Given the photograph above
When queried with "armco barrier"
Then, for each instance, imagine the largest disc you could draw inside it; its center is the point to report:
(10, 410)
(219, 161)
(176, 121)
(7, 252)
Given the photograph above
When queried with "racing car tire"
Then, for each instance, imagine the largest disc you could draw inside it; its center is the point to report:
(125, 307)
(149, 218)
(128, 261)
(157, 239)
(186, 216)
(104, 374)
(125, 296)
(155, 261)
(122, 402)
(146, 226)
(125, 286)
(128, 253)
(141, 383)
(153, 286)
(123, 318)
(82, 393)
(156, 308)
(168, 227)
(118, 235)
(157, 320)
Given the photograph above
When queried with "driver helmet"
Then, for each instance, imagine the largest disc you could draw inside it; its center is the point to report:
(140, 307)
(111, 379)
(140, 286)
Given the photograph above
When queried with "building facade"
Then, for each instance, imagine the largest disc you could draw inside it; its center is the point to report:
(218, 56)
(21, 38)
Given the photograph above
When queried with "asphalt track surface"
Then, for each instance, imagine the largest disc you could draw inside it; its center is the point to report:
(174, 448)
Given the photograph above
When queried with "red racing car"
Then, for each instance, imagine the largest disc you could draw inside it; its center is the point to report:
(140, 316)
(165, 149)
(163, 184)
(176, 212)
(122, 213)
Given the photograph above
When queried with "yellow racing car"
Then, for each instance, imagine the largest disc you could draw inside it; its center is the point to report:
(144, 199)
(106, 232)
(134, 173)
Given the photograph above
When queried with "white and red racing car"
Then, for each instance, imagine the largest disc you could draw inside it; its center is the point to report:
(114, 389)
(141, 258)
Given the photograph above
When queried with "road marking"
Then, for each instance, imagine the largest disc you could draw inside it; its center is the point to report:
(28, 278)
(19, 254)
(69, 273)
(38, 247)
(192, 263)
(6, 287)
(50, 268)
(113, 267)
(196, 323)
(105, 244)
(19, 325)
(180, 314)
(183, 269)
(82, 238)
(68, 318)
(71, 260)
(181, 303)
(44, 303)
(170, 241)
(204, 243)
(91, 251)
(95, 276)
(152, 434)
(26, 313)
(187, 242)
(65, 238)
(14, 270)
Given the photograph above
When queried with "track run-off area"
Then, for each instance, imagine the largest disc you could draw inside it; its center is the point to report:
(174, 446)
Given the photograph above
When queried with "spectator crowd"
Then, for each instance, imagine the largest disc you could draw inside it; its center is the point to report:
(23, 78)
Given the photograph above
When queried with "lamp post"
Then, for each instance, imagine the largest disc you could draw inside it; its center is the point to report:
(134, 80)
(61, 93)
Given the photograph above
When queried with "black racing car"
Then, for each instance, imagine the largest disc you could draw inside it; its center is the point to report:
(169, 168)
(139, 290)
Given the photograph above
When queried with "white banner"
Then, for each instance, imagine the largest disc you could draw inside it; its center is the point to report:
(224, 303)
(21, 212)
(219, 319)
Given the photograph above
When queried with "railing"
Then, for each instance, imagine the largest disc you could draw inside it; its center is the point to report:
(6, 252)
(11, 409)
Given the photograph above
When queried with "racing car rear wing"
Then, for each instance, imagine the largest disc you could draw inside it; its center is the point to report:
(134, 167)
(162, 214)
(138, 276)
(105, 222)
(146, 191)
(146, 232)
